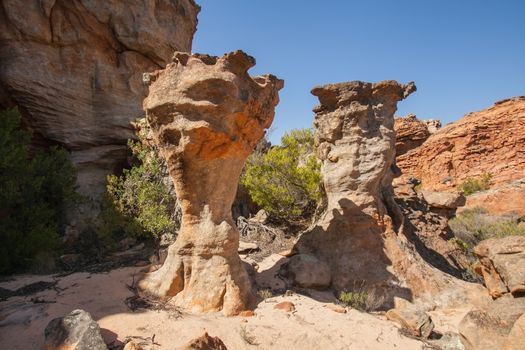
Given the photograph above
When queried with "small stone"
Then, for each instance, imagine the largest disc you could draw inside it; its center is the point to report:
(336, 308)
(287, 253)
(261, 216)
(412, 318)
(132, 346)
(245, 247)
(204, 342)
(286, 306)
(247, 313)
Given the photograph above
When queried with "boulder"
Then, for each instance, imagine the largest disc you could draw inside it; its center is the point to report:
(502, 264)
(412, 318)
(204, 342)
(76, 331)
(490, 329)
(309, 272)
(488, 141)
(247, 247)
(75, 70)
(207, 114)
(443, 200)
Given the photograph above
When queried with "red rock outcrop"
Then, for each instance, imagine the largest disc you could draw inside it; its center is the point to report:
(488, 141)
(74, 68)
(361, 235)
(412, 132)
(207, 114)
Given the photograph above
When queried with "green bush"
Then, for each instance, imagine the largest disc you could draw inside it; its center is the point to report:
(472, 185)
(38, 188)
(138, 202)
(474, 225)
(357, 300)
(285, 180)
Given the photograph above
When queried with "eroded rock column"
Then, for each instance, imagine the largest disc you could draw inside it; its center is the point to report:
(361, 235)
(355, 140)
(207, 114)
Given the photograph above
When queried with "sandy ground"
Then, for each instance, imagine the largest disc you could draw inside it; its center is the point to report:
(311, 326)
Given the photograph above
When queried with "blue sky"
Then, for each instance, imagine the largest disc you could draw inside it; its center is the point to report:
(463, 55)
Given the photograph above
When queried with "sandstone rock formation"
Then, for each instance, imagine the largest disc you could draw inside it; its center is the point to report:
(507, 199)
(502, 264)
(412, 132)
(204, 342)
(76, 331)
(361, 235)
(74, 68)
(492, 328)
(491, 140)
(207, 114)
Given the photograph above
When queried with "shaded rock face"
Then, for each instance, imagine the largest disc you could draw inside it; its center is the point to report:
(502, 265)
(427, 227)
(355, 141)
(207, 114)
(491, 140)
(412, 132)
(74, 68)
(76, 331)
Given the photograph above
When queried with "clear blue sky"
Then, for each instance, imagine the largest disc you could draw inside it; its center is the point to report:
(463, 54)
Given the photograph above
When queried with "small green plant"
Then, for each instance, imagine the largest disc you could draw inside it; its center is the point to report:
(472, 185)
(265, 293)
(38, 189)
(357, 300)
(138, 202)
(463, 246)
(285, 180)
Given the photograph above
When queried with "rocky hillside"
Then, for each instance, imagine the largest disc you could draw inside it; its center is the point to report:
(74, 68)
(489, 141)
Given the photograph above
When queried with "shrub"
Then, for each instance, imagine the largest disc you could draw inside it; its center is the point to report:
(474, 225)
(138, 202)
(472, 185)
(360, 298)
(285, 180)
(38, 188)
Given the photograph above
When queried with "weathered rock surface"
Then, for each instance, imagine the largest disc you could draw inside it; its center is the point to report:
(428, 229)
(491, 328)
(361, 235)
(75, 67)
(309, 272)
(207, 114)
(502, 264)
(76, 331)
(516, 336)
(491, 140)
(412, 132)
(505, 200)
(413, 318)
(205, 342)
(443, 200)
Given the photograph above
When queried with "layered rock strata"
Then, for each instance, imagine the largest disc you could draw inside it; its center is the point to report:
(361, 235)
(489, 141)
(412, 132)
(74, 68)
(207, 114)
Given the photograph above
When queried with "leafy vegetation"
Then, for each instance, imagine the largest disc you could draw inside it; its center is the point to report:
(359, 298)
(472, 185)
(474, 225)
(138, 203)
(38, 188)
(285, 180)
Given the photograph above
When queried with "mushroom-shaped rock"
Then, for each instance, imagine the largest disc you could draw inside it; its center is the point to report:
(207, 114)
